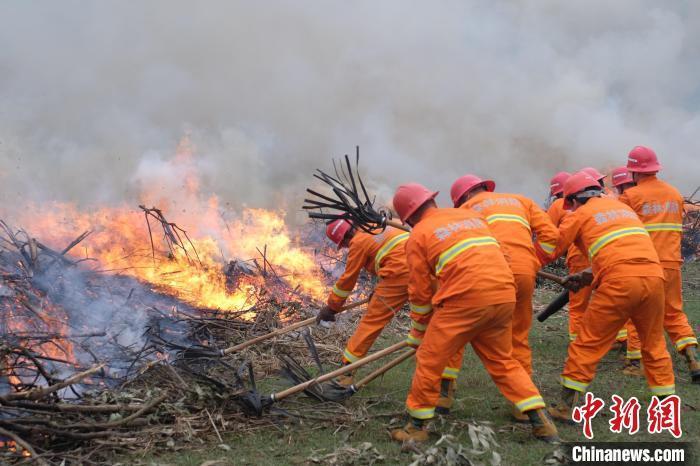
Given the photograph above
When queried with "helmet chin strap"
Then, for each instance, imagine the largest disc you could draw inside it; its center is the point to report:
(587, 194)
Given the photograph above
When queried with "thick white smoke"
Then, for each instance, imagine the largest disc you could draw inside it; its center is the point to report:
(91, 93)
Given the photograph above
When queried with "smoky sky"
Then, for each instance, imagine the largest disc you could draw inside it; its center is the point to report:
(92, 94)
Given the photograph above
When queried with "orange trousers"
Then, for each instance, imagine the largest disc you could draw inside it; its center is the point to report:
(488, 329)
(578, 302)
(522, 320)
(675, 321)
(388, 299)
(616, 300)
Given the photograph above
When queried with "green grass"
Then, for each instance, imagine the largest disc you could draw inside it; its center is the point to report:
(367, 416)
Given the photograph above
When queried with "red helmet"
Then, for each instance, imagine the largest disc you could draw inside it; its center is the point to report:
(642, 159)
(621, 175)
(577, 183)
(337, 229)
(466, 183)
(556, 184)
(409, 197)
(594, 173)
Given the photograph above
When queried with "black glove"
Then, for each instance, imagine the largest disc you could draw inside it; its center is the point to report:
(587, 277)
(326, 314)
(572, 282)
(576, 281)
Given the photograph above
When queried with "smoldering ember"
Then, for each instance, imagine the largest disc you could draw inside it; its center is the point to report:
(348, 233)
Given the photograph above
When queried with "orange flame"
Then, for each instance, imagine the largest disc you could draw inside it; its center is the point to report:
(120, 241)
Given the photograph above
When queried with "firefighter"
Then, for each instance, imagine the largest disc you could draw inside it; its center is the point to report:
(621, 180)
(633, 355)
(382, 255)
(473, 304)
(621, 340)
(577, 262)
(599, 177)
(628, 282)
(513, 219)
(556, 185)
(660, 207)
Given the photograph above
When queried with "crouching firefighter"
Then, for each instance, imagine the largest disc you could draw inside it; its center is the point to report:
(628, 282)
(473, 303)
(382, 255)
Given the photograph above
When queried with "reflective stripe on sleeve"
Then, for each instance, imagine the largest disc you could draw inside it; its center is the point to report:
(387, 248)
(462, 246)
(341, 293)
(507, 218)
(547, 247)
(608, 238)
(664, 227)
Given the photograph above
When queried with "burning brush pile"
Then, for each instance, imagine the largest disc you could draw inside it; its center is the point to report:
(94, 363)
(122, 331)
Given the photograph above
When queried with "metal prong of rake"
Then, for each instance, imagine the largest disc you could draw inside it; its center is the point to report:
(312, 348)
(349, 201)
(333, 391)
(359, 216)
(359, 177)
(250, 401)
(296, 374)
(367, 202)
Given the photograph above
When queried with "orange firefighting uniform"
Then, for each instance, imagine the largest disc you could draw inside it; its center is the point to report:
(577, 262)
(628, 283)
(660, 207)
(513, 219)
(473, 304)
(382, 255)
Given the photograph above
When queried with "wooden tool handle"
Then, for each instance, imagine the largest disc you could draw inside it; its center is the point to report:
(340, 371)
(400, 226)
(551, 276)
(385, 368)
(287, 329)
